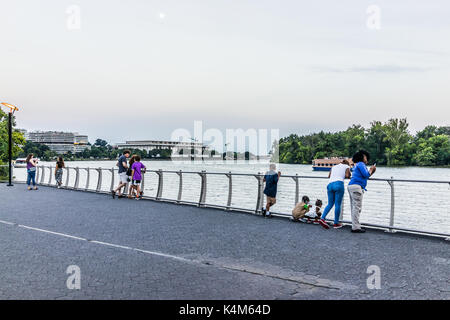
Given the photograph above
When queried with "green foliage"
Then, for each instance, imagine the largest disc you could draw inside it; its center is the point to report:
(39, 150)
(17, 137)
(388, 143)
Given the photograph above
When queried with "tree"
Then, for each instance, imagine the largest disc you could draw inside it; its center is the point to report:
(17, 137)
(37, 149)
(100, 143)
(375, 142)
(398, 138)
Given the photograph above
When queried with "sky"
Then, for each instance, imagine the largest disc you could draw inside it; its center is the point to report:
(141, 69)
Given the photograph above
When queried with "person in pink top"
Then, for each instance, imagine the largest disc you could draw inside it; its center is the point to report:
(137, 169)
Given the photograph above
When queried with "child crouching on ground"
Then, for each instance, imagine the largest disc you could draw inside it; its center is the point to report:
(314, 216)
(300, 210)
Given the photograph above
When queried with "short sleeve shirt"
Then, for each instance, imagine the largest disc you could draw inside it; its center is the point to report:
(271, 184)
(137, 167)
(122, 159)
(338, 172)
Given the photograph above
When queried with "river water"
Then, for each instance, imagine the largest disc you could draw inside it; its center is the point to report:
(423, 206)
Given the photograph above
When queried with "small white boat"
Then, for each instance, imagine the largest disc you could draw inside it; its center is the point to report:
(22, 162)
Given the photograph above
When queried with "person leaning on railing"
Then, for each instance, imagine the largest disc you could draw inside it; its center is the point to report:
(357, 186)
(335, 192)
(271, 179)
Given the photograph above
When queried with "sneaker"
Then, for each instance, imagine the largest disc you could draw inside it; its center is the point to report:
(35, 188)
(324, 224)
(337, 226)
(263, 212)
(137, 198)
(113, 193)
(268, 216)
(29, 188)
(359, 230)
(303, 220)
(316, 221)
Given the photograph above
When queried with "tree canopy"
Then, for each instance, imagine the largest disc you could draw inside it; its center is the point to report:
(18, 139)
(388, 143)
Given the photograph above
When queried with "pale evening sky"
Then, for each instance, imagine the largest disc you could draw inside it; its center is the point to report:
(140, 69)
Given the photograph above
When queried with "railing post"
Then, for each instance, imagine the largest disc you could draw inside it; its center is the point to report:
(341, 215)
(160, 184)
(77, 178)
(67, 177)
(112, 179)
(99, 182)
(260, 199)
(37, 173)
(202, 199)
(297, 189)
(391, 219)
(50, 176)
(88, 175)
(142, 183)
(180, 186)
(230, 190)
(43, 175)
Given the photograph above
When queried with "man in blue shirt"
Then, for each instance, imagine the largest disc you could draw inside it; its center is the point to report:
(357, 186)
(123, 167)
(271, 179)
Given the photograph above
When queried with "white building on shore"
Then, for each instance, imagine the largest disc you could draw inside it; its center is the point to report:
(60, 142)
(179, 149)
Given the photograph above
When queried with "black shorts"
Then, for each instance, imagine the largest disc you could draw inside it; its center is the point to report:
(136, 182)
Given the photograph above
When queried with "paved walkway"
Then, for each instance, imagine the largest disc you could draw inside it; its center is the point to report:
(129, 249)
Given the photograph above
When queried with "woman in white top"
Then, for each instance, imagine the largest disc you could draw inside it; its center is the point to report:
(335, 190)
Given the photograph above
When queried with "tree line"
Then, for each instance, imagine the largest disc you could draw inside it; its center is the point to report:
(389, 143)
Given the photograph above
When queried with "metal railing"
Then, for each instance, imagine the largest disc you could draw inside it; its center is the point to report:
(97, 184)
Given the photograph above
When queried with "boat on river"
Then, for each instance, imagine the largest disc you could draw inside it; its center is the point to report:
(325, 164)
(22, 162)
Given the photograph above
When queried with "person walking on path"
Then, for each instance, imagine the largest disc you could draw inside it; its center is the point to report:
(123, 166)
(59, 171)
(357, 186)
(335, 191)
(31, 171)
(271, 179)
(136, 173)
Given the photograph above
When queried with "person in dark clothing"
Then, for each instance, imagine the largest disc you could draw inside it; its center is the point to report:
(271, 179)
(59, 171)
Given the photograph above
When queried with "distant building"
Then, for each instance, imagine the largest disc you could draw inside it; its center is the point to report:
(60, 142)
(179, 149)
